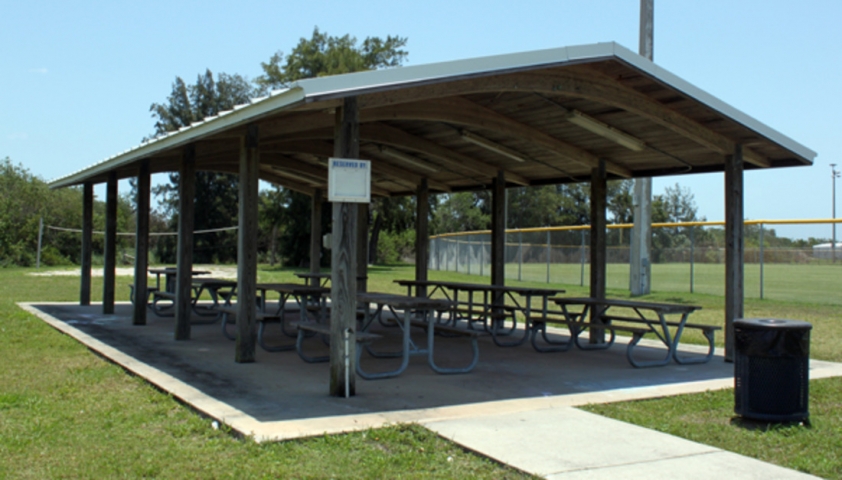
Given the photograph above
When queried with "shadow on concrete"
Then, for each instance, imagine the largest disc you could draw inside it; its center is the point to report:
(280, 386)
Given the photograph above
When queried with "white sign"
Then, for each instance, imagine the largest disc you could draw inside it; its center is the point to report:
(349, 180)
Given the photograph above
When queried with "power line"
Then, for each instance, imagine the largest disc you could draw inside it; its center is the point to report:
(132, 234)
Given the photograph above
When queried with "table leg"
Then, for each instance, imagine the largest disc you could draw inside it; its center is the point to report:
(431, 334)
(665, 337)
(709, 335)
(405, 321)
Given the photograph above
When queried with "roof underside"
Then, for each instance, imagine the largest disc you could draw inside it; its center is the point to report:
(459, 128)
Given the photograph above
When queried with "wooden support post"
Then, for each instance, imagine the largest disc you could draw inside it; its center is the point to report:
(362, 247)
(316, 235)
(87, 243)
(498, 230)
(110, 255)
(247, 248)
(734, 274)
(184, 253)
(422, 235)
(343, 281)
(498, 236)
(141, 245)
(599, 194)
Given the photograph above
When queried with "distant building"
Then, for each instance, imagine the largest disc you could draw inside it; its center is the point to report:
(824, 250)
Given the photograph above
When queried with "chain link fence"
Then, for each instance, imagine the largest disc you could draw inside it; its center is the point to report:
(685, 257)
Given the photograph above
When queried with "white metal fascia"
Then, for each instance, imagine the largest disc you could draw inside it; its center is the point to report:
(242, 114)
(360, 82)
(675, 82)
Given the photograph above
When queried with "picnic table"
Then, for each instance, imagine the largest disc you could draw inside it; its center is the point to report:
(169, 274)
(315, 279)
(415, 311)
(491, 305)
(216, 288)
(311, 301)
(587, 313)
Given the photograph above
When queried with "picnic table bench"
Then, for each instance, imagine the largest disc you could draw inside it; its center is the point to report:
(490, 309)
(323, 330)
(604, 312)
(310, 301)
(220, 291)
(416, 311)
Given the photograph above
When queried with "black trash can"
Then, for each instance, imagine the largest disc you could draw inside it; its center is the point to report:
(771, 369)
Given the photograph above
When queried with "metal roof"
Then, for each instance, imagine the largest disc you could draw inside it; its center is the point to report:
(424, 111)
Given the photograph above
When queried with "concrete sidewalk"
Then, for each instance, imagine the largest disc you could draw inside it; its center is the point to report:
(515, 407)
(568, 443)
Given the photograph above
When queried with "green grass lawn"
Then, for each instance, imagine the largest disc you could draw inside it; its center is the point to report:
(67, 413)
(813, 283)
(64, 412)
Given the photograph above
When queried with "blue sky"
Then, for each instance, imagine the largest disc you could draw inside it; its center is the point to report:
(78, 77)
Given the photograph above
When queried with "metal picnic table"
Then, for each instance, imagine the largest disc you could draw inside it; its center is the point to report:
(491, 306)
(604, 311)
(416, 311)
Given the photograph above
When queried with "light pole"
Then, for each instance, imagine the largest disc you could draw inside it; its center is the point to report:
(834, 174)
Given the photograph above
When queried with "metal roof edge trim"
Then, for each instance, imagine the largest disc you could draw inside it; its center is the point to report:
(374, 79)
(674, 81)
(177, 138)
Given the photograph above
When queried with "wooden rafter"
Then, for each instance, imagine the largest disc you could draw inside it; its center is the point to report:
(388, 135)
(587, 85)
(384, 134)
(395, 173)
(305, 172)
(264, 175)
(461, 111)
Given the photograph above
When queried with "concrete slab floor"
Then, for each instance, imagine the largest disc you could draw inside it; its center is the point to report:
(281, 397)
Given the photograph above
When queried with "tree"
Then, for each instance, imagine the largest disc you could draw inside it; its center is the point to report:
(323, 55)
(217, 194)
(675, 205)
(461, 212)
(395, 217)
(24, 198)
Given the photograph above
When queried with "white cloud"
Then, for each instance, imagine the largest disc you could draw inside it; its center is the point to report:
(42, 70)
(18, 136)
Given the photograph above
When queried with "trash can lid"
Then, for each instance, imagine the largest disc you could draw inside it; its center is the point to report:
(772, 323)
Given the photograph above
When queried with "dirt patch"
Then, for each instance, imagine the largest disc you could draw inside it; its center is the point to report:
(216, 271)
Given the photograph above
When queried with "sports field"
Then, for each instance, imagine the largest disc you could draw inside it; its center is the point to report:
(810, 283)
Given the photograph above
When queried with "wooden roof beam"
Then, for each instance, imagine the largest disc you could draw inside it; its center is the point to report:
(600, 87)
(463, 112)
(383, 134)
(408, 179)
(264, 175)
(589, 85)
(454, 161)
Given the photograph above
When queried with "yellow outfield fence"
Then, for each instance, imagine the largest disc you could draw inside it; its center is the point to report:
(685, 256)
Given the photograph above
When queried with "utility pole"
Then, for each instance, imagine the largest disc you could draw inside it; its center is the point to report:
(640, 271)
(834, 174)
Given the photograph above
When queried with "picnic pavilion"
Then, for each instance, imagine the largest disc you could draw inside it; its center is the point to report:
(587, 113)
